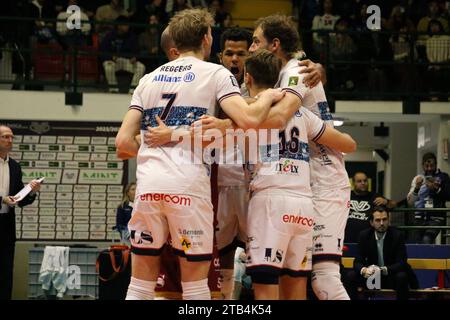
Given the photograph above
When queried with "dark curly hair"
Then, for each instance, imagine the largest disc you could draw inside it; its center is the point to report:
(235, 34)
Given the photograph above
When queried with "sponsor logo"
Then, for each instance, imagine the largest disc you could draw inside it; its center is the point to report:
(165, 78)
(144, 237)
(185, 232)
(318, 247)
(169, 198)
(359, 205)
(287, 166)
(304, 262)
(358, 215)
(292, 218)
(234, 81)
(293, 81)
(185, 243)
(270, 258)
(324, 156)
(189, 77)
(319, 227)
(339, 243)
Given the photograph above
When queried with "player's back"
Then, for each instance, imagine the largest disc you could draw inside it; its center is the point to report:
(179, 92)
(284, 162)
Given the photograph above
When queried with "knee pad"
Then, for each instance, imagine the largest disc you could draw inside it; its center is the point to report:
(196, 290)
(326, 282)
(141, 289)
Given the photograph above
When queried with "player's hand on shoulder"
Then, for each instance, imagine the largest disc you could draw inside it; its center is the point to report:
(313, 72)
(208, 122)
(274, 94)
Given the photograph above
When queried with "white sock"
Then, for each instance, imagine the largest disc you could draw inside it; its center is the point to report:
(196, 290)
(141, 290)
(326, 281)
(226, 283)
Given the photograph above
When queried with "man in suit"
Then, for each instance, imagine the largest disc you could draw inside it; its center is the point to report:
(10, 184)
(382, 250)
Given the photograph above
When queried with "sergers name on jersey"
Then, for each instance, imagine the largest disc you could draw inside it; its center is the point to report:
(167, 68)
(188, 77)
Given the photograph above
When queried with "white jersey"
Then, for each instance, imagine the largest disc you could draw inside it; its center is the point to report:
(179, 92)
(284, 163)
(327, 165)
(231, 173)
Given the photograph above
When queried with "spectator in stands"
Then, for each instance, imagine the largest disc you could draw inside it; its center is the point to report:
(109, 13)
(69, 37)
(326, 21)
(90, 7)
(415, 9)
(149, 44)
(153, 7)
(434, 13)
(342, 47)
(371, 46)
(381, 252)
(44, 31)
(228, 21)
(158, 8)
(119, 50)
(216, 8)
(401, 41)
(438, 51)
(173, 6)
(362, 202)
(429, 190)
(124, 212)
(199, 3)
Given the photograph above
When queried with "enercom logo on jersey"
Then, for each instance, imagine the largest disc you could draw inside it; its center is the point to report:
(169, 198)
(292, 218)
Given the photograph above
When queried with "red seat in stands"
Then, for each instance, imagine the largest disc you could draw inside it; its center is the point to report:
(48, 62)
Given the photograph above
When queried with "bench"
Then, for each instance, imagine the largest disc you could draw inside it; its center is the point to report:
(441, 265)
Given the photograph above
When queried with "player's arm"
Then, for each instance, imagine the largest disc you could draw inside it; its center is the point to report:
(336, 140)
(126, 144)
(281, 112)
(250, 116)
(161, 135)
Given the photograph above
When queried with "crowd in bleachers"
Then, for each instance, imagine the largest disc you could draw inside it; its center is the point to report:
(411, 31)
(124, 34)
(411, 52)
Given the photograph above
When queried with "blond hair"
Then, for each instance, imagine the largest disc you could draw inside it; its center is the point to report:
(188, 27)
(125, 197)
